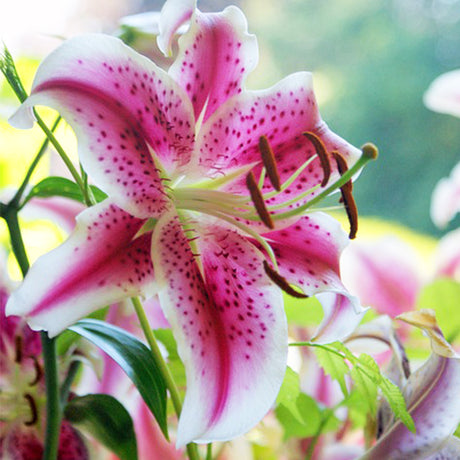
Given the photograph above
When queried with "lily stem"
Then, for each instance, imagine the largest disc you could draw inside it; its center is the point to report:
(53, 406)
(192, 450)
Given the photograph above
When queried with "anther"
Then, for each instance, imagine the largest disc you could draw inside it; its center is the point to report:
(33, 410)
(343, 168)
(18, 349)
(38, 371)
(347, 196)
(258, 201)
(322, 155)
(268, 159)
(281, 282)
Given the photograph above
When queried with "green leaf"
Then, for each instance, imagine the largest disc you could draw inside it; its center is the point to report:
(289, 392)
(309, 423)
(134, 358)
(60, 186)
(397, 403)
(334, 366)
(442, 296)
(107, 420)
(366, 388)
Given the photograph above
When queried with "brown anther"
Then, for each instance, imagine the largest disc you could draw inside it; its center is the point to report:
(18, 349)
(282, 282)
(322, 155)
(352, 211)
(38, 371)
(33, 410)
(342, 166)
(268, 159)
(258, 200)
(347, 196)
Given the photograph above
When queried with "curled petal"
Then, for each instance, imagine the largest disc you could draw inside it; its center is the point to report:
(122, 107)
(229, 323)
(101, 263)
(173, 15)
(308, 255)
(431, 395)
(443, 95)
(215, 56)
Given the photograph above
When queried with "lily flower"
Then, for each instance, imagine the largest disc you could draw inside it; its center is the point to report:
(22, 393)
(208, 187)
(445, 200)
(384, 273)
(443, 95)
(431, 394)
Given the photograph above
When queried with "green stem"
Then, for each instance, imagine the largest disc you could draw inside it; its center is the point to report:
(64, 157)
(53, 406)
(157, 356)
(17, 197)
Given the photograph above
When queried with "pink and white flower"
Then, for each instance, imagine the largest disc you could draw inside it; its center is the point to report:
(22, 393)
(445, 200)
(431, 395)
(443, 95)
(183, 158)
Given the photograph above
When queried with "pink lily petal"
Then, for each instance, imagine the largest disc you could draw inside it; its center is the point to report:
(447, 256)
(60, 210)
(383, 273)
(121, 107)
(308, 255)
(449, 451)
(98, 265)
(230, 138)
(173, 15)
(230, 327)
(215, 56)
(443, 95)
(445, 200)
(431, 394)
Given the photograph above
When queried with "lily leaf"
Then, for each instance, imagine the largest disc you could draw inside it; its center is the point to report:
(289, 392)
(60, 186)
(134, 358)
(107, 420)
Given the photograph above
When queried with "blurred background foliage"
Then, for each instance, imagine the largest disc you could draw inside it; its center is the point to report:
(372, 60)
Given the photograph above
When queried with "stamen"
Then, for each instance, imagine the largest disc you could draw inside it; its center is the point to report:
(347, 196)
(38, 371)
(258, 201)
(268, 159)
(281, 282)
(322, 155)
(343, 168)
(18, 349)
(33, 409)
